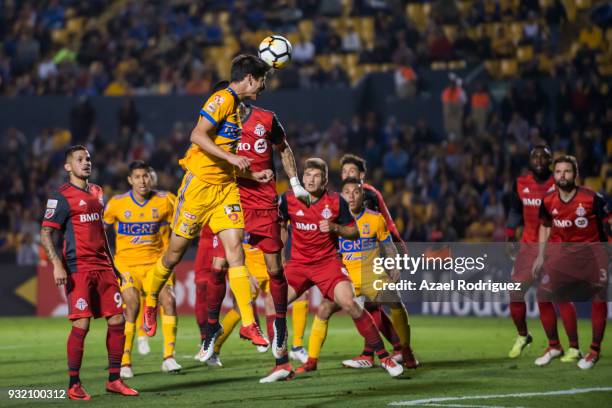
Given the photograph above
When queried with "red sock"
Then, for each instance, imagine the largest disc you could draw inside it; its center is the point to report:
(599, 314)
(75, 348)
(549, 322)
(567, 310)
(270, 325)
(115, 339)
(278, 290)
(365, 326)
(518, 311)
(389, 331)
(201, 308)
(216, 288)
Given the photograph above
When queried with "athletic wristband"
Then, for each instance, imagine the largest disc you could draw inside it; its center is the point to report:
(294, 181)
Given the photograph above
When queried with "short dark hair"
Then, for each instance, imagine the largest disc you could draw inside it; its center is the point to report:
(353, 159)
(139, 164)
(567, 159)
(542, 146)
(245, 64)
(68, 153)
(220, 85)
(316, 163)
(351, 180)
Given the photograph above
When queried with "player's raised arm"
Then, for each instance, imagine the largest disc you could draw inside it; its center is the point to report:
(288, 160)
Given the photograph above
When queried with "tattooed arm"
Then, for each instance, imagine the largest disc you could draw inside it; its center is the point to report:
(59, 272)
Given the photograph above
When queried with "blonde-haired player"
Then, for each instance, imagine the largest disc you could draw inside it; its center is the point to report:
(141, 220)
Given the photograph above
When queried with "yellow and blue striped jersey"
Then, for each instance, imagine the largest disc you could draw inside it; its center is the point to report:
(142, 230)
(358, 255)
(221, 109)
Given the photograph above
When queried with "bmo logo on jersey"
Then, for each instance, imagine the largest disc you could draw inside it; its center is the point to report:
(302, 226)
(532, 202)
(562, 223)
(260, 146)
(89, 217)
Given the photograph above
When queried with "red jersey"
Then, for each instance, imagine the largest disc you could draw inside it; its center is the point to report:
(527, 195)
(581, 219)
(78, 214)
(373, 200)
(308, 243)
(261, 130)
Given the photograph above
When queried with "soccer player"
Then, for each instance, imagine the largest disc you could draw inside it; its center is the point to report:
(355, 166)
(85, 269)
(358, 257)
(141, 219)
(314, 257)
(574, 214)
(209, 196)
(527, 194)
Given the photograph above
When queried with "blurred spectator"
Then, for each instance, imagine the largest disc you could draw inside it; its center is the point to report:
(395, 162)
(453, 99)
(303, 51)
(351, 42)
(480, 105)
(27, 253)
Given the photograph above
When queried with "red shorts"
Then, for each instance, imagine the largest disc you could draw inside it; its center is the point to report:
(523, 265)
(93, 294)
(263, 227)
(324, 275)
(209, 247)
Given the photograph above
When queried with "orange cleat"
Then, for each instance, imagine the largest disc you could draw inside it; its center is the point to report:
(77, 392)
(149, 320)
(119, 387)
(253, 333)
(309, 365)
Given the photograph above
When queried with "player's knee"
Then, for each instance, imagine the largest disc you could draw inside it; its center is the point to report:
(351, 307)
(116, 319)
(167, 300)
(325, 310)
(82, 323)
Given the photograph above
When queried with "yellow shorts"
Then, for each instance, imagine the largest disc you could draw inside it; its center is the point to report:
(256, 264)
(364, 285)
(133, 275)
(200, 203)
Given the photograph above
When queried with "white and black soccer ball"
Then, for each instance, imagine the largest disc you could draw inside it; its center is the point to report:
(275, 50)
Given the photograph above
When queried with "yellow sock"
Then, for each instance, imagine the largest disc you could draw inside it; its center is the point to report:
(169, 332)
(300, 314)
(141, 332)
(130, 329)
(399, 318)
(229, 321)
(318, 333)
(155, 280)
(241, 287)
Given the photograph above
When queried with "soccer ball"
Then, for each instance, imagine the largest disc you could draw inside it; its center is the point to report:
(275, 51)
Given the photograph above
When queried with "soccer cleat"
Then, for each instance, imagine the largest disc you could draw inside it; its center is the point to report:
(253, 333)
(549, 354)
(170, 365)
(126, 372)
(309, 365)
(143, 345)
(208, 345)
(361, 361)
(77, 392)
(119, 387)
(149, 320)
(199, 354)
(279, 342)
(214, 361)
(283, 372)
(299, 354)
(389, 364)
(409, 359)
(262, 349)
(587, 362)
(397, 357)
(519, 345)
(571, 355)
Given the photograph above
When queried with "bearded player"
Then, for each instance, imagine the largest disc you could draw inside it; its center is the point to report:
(571, 259)
(85, 269)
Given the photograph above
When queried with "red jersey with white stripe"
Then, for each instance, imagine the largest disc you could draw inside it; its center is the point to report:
(78, 214)
(530, 192)
(308, 243)
(581, 219)
(261, 131)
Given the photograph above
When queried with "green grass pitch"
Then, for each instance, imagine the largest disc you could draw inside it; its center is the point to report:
(460, 356)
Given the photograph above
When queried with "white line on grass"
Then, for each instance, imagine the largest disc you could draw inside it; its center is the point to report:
(467, 406)
(430, 401)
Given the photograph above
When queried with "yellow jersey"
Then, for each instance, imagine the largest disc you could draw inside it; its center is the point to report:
(358, 256)
(142, 230)
(221, 109)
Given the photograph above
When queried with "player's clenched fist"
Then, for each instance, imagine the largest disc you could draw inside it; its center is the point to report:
(263, 176)
(242, 163)
(327, 226)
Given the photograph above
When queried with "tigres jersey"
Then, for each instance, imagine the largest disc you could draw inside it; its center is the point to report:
(358, 256)
(141, 230)
(221, 109)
